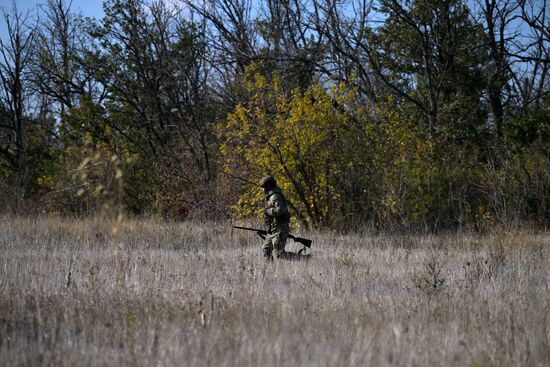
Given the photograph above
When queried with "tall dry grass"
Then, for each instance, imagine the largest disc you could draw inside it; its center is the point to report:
(200, 294)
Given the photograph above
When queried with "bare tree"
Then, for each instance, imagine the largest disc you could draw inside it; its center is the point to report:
(291, 43)
(231, 36)
(278, 35)
(515, 36)
(15, 56)
(61, 72)
(343, 29)
(534, 51)
(498, 17)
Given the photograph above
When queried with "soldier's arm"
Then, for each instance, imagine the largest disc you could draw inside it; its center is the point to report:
(277, 206)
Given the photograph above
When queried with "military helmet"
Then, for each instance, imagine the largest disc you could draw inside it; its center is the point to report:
(268, 181)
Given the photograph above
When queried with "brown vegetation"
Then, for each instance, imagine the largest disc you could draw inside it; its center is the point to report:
(200, 294)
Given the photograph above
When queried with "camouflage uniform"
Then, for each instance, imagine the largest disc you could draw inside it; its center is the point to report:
(277, 218)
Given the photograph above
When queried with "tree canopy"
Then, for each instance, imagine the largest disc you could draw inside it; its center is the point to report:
(382, 113)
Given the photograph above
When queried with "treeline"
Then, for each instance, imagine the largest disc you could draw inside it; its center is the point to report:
(421, 114)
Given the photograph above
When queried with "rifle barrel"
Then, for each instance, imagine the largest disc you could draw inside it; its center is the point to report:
(303, 241)
(249, 229)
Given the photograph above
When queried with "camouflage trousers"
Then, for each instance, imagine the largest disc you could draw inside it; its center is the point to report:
(276, 242)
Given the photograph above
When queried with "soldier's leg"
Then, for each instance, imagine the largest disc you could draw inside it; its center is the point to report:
(267, 247)
(279, 243)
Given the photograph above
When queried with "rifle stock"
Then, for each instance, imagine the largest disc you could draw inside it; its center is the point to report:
(262, 233)
(303, 241)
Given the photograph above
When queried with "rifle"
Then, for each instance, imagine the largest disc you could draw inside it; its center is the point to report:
(262, 233)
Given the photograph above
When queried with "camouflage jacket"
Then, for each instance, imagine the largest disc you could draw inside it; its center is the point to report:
(276, 214)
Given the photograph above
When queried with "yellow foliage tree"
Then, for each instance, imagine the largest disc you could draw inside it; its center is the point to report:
(311, 141)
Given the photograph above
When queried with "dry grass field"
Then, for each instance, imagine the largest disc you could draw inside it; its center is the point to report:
(199, 294)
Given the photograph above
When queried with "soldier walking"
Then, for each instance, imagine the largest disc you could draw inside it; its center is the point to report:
(277, 219)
